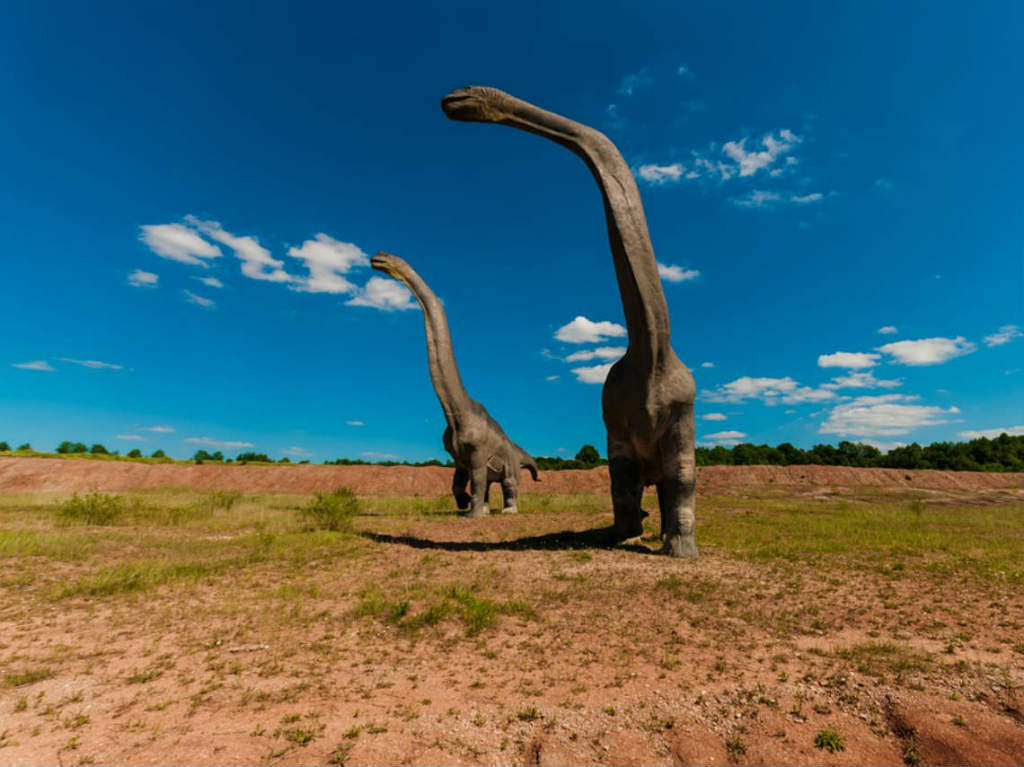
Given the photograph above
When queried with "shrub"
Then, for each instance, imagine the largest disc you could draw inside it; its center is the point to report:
(829, 740)
(98, 449)
(26, 446)
(253, 458)
(159, 454)
(331, 511)
(71, 447)
(136, 453)
(4, 446)
(91, 509)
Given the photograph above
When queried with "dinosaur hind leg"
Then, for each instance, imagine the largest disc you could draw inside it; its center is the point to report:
(459, 483)
(478, 489)
(509, 493)
(627, 490)
(677, 490)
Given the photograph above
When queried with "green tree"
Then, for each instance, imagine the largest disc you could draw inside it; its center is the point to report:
(71, 447)
(26, 446)
(4, 446)
(588, 454)
(136, 453)
(98, 449)
(159, 454)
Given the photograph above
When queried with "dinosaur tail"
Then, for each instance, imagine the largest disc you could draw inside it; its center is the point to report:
(530, 465)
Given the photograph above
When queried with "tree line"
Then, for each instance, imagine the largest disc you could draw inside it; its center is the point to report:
(1004, 453)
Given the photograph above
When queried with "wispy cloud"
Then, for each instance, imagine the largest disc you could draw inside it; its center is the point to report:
(211, 282)
(355, 423)
(1004, 335)
(593, 375)
(178, 243)
(551, 378)
(770, 391)
(761, 198)
(94, 364)
(41, 365)
(1013, 431)
(888, 330)
(928, 351)
(633, 82)
(885, 415)
(673, 273)
(327, 260)
(225, 444)
(707, 364)
(157, 429)
(257, 263)
(601, 352)
(382, 293)
(661, 174)
(862, 380)
(192, 298)
(749, 163)
(374, 456)
(726, 436)
(584, 331)
(848, 360)
(141, 279)
(297, 452)
(713, 417)
(132, 438)
(683, 71)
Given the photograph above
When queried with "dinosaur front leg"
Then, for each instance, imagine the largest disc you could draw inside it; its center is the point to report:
(478, 491)
(627, 490)
(459, 482)
(509, 493)
(677, 492)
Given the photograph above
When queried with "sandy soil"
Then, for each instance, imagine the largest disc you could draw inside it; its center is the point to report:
(61, 475)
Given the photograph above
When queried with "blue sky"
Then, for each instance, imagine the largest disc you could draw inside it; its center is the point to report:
(190, 193)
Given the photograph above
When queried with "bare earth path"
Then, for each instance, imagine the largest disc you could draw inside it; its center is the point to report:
(884, 611)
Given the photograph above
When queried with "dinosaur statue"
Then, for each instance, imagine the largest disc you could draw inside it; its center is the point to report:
(648, 396)
(482, 451)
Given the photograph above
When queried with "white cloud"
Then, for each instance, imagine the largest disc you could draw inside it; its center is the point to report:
(593, 375)
(707, 364)
(928, 351)
(883, 183)
(132, 438)
(726, 435)
(211, 282)
(683, 71)
(42, 365)
(888, 330)
(848, 360)
(297, 452)
(584, 331)
(257, 263)
(634, 82)
(327, 260)
(771, 391)
(141, 279)
(713, 417)
(551, 378)
(672, 273)
(601, 352)
(884, 445)
(355, 423)
(991, 433)
(94, 364)
(192, 298)
(386, 294)
(178, 243)
(756, 198)
(885, 415)
(380, 456)
(862, 380)
(1004, 335)
(806, 199)
(661, 174)
(158, 429)
(749, 163)
(220, 443)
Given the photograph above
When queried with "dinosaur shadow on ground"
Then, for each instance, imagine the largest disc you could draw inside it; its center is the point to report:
(565, 540)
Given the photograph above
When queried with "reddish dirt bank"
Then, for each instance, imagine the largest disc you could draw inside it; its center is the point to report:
(62, 475)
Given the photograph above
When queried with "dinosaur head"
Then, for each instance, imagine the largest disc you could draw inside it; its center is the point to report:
(477, 104)
(392, 266)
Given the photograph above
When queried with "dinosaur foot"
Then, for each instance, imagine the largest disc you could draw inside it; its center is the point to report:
(476, 513)
(680, 547)
(510, 510)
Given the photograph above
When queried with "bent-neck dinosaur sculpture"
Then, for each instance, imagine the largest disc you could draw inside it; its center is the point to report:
(648, 395)
(482, 451)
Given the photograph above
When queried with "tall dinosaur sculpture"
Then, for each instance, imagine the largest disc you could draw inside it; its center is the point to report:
(482, 451)
(648, 395)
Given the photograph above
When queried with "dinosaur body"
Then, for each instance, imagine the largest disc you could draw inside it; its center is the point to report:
(481, 450)
(648, 396)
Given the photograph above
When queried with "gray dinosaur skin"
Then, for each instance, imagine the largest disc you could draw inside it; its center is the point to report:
(649, 393)
(482, 451)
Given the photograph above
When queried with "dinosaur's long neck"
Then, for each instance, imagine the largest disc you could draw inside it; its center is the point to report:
(444, 373)
(643, 301)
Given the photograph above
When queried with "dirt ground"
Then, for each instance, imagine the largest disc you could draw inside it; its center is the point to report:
(834, 617)
(69, 475)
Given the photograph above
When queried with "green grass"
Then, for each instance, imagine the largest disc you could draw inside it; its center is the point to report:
(880, 658)
(28, 676)
(829, 740)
